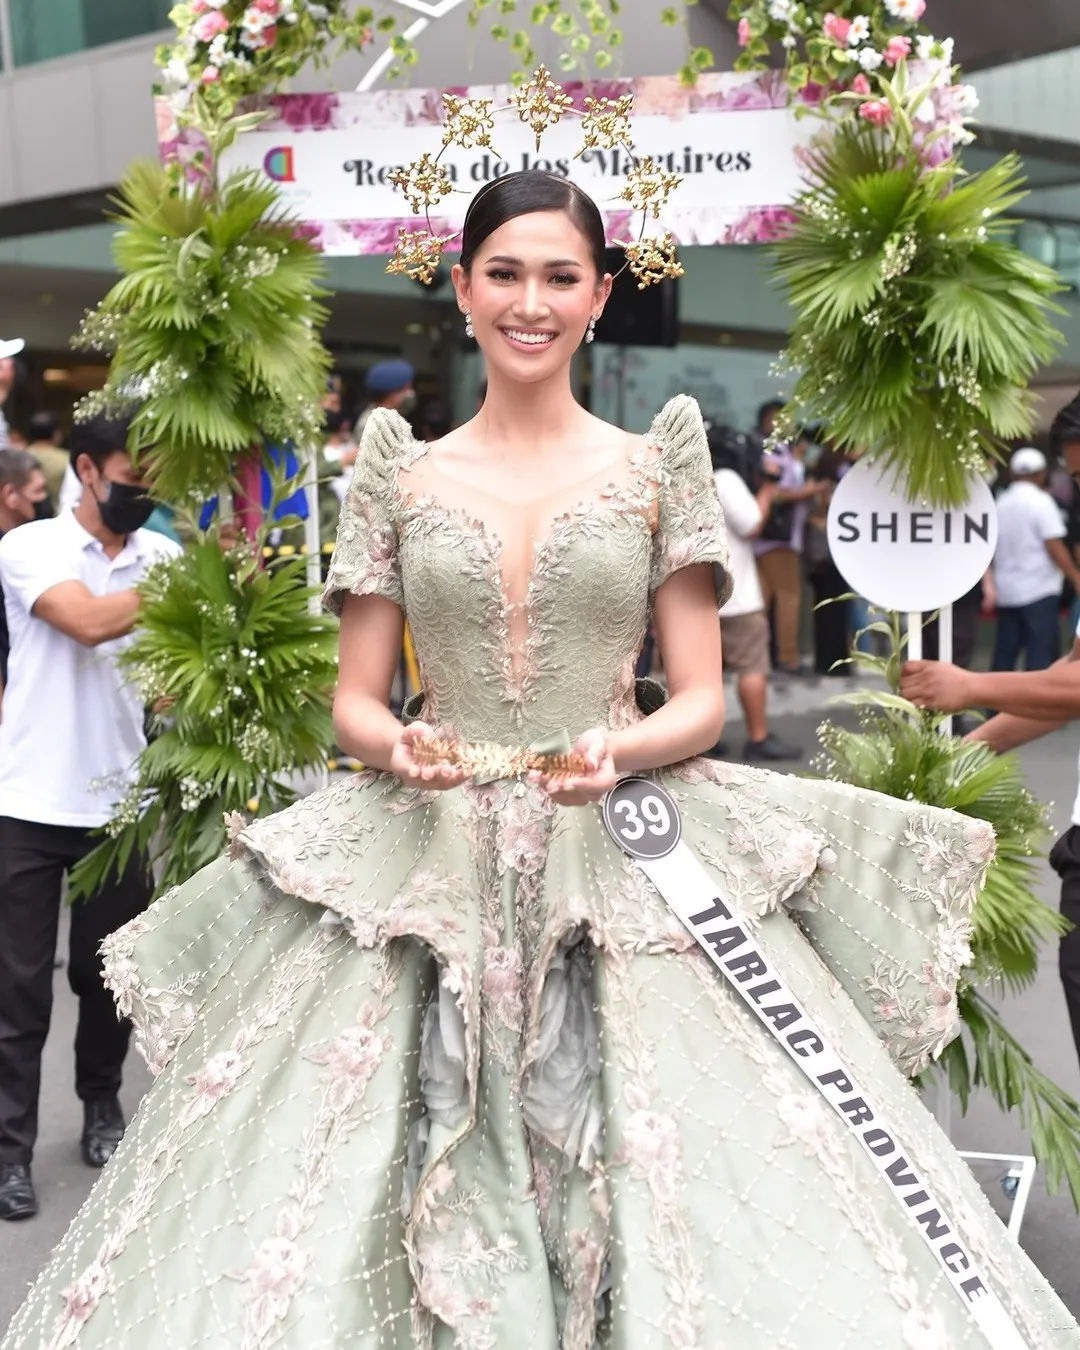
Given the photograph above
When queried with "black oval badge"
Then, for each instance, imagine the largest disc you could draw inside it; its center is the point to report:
(642, 818)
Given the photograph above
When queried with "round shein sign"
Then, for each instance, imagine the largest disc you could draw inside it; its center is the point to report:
(905, 555)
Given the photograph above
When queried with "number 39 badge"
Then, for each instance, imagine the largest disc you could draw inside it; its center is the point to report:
(642, 818)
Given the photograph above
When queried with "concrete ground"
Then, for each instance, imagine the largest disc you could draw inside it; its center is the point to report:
(1037, 1017)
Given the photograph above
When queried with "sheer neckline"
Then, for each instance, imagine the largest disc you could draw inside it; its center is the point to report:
(518, 561)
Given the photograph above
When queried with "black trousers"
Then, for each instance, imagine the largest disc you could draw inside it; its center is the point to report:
(831, 620)
(1065, 860)
(33, 862)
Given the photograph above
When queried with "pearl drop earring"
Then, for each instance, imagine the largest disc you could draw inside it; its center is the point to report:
(590, 332)
(468, 324)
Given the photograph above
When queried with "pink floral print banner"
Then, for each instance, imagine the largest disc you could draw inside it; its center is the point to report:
(733, 138)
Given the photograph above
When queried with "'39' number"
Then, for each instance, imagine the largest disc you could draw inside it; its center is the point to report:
(642, 818)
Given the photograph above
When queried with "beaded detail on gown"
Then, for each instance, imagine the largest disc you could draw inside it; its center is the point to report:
(442, 1070)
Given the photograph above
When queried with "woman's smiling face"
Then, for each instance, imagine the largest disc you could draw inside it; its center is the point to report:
(531, 289)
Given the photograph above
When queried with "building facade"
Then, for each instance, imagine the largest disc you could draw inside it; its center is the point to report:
(76, 109)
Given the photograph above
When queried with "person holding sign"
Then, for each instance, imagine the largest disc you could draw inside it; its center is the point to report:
(1030, 704)
(439, 1061)
(1030, 563)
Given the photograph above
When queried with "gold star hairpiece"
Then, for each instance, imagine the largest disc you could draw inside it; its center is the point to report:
(541, 104)
(606, 123)
(418, 255)
(469, 122)
(652, 259)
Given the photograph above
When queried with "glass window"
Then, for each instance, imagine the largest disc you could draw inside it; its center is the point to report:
(42, 29)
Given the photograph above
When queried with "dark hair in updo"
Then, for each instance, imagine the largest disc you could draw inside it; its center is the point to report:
(522, 194)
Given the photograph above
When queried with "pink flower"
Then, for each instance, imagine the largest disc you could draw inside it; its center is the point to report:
(269, 37)
(837, 28)
(274, 1278)
(502, 985)
(199, 6)
(744, 32)
(877, 111)
(85, 1294)
(211, 75)
(352, 1060)
(218, 1076)
(861, 85)
(897, 49)
(267, 6)
(652, 1148)
(522, 838)
(210, 25)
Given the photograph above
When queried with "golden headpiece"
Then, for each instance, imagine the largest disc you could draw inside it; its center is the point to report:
(540, 104)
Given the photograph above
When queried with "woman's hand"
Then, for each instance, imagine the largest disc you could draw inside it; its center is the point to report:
(427, 777)
(584, 789)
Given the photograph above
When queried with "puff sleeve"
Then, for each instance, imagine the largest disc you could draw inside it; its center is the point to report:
(690, 525)
(366, 560)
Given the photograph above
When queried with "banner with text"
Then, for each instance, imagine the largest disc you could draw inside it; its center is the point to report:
(734, 139)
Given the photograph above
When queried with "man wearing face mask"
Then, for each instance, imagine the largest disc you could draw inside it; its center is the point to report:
(388, 384)
(68, 585)
(24, 496)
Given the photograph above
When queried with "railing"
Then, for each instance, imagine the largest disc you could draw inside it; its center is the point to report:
(1054, 242)
(40, 30)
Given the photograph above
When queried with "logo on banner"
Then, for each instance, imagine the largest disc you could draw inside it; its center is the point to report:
(904, 555)
(279, 164)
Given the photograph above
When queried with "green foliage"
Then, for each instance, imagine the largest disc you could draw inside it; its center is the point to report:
(241, 673)
(207, 78)
(917, 322)
(213, 328)
(589, 32)
(902, 752)
(796, 30)
(988, 1055)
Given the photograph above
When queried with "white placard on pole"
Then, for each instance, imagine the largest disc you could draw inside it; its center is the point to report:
(908, 556)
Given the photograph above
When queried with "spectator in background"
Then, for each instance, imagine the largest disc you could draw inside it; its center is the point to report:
(766, 422)
(46, 445)
(23, 498)
(744, 626)
(1029, 562)
(339, 455)
(779, 547)
(434, 422)
(831, 617)
(388, 384)
(9, 350)
(72, 730)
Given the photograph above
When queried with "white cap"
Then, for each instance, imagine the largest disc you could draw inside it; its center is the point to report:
(1027, 460)
(10, 347)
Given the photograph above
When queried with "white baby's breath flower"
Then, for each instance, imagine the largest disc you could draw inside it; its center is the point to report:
(869, 58)
(859, 30)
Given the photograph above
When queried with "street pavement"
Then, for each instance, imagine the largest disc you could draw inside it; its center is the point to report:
(1037, 1017)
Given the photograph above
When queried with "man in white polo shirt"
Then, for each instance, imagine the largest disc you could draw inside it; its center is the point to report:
(71, 732)
(1029, 562)
(1029, 704)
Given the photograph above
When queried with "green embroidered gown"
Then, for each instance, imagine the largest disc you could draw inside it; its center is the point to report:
(442, 1070)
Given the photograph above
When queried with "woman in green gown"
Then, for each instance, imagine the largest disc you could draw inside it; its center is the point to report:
(436, 1065)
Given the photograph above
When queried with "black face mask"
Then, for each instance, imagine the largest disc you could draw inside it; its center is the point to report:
(43, 510)
(124, 508)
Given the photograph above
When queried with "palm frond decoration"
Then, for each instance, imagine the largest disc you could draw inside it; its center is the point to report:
(213, 328)
(901, 751)
(241, 674)
(918, 323)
